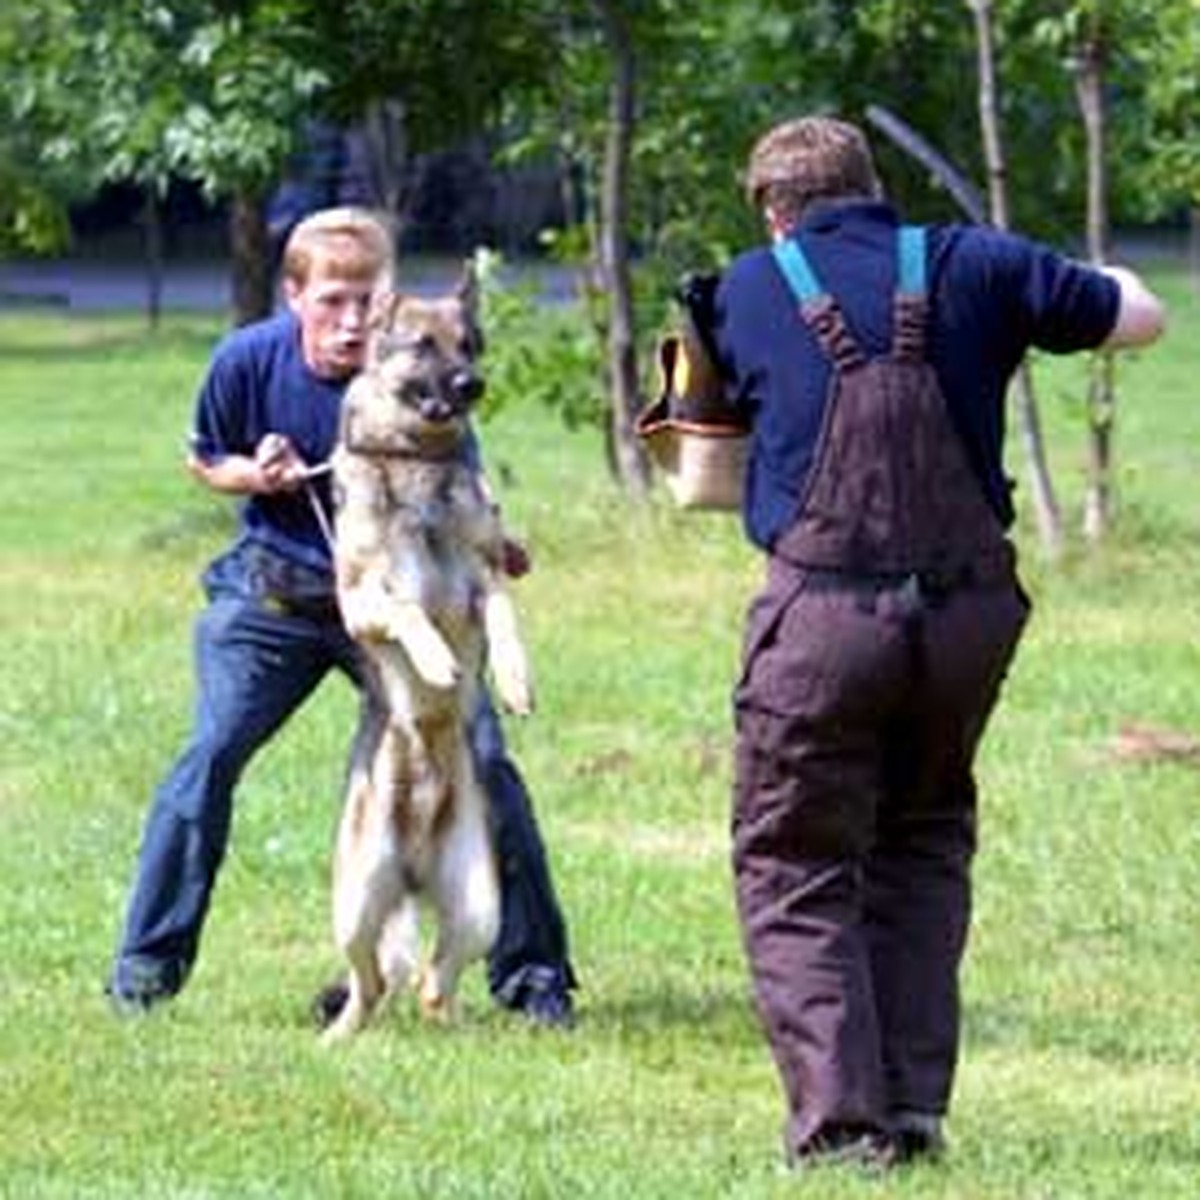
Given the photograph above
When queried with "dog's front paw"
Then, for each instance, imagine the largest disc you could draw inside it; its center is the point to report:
(428, 652)
(361, 630)
(506, 655)
(435, 664)
(513, 683)
(365, 615)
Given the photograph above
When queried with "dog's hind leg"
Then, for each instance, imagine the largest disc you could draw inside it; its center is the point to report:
(400, 945)
(368, 887)
(361, 910)
(422, 641)
(466, 892)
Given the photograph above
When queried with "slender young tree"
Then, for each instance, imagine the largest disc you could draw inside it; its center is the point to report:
(1090, 68)
(1102, 44)
(632, 466)
(1045, 504)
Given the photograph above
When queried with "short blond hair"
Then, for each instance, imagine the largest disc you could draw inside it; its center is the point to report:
(807, 159)
(348, 243)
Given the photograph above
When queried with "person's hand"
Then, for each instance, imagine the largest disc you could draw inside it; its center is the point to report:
(515, 559)
(280, 467)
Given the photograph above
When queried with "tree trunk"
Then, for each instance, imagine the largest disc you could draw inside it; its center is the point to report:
(1101, 406)
(632, 465)
(152, 232)
(989, 114)
(1045, 505)
(1101, 400)
(249, 244)
(385, 133)
(1194, 249)
(395, 175)
(593, 293)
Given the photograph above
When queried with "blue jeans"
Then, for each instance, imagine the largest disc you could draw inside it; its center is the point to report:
(255, 666)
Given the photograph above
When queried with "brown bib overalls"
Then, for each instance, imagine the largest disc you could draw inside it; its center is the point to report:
(873, 658)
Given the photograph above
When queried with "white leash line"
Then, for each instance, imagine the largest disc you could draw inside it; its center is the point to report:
(315, 501)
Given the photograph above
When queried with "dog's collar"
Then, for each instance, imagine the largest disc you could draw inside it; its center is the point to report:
(368, 447)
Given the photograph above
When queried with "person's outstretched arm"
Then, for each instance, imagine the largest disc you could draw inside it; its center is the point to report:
(1141, 317)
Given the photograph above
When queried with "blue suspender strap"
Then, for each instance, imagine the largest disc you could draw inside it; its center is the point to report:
(912, 260)
(796, 270)
(806, 287)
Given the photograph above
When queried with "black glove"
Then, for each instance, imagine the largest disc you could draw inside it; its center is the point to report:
(697, 294)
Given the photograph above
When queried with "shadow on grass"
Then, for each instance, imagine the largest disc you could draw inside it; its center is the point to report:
(725, 1017)
(1172, 1150)
(721, 1014)
(1111, 1039)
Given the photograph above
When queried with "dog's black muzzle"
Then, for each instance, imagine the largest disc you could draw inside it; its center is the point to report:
(453, 396)
(466, 386)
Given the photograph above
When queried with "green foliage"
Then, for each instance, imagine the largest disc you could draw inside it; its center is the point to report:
(538, 356)
(32, 196)
(32, 220)
(1171, 118)
(447, 62)
(215, 90)
(711, 77)
(239, 129)
(1118, 35)
(145, 91)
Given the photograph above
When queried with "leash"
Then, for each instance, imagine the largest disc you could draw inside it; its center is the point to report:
(326, 526)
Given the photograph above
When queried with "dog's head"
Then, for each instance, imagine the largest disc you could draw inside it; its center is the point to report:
(423, 353)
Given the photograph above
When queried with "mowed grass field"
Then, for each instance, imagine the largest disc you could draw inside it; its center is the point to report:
(1081, 1066)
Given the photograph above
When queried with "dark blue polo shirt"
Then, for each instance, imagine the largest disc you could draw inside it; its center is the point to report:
(993, 297)
(259, 383)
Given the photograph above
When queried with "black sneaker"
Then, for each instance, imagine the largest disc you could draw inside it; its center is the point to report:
(918, 1137)
(131, 1008)
(547, 1008)
(539, 993)
(328, 1003)
(861, 1149)
(136, 986)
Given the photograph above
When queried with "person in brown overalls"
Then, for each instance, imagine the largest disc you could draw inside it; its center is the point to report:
(872, 358)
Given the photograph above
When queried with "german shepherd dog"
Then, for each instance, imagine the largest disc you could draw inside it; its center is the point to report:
(418, 558)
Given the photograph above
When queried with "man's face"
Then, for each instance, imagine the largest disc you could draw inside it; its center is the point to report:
(333, 313)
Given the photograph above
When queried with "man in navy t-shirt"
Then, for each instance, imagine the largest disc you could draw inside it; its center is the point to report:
(871, 359)
(267, 414)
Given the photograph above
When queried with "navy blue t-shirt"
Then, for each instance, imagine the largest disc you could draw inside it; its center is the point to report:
(259, 383)
(993, 296)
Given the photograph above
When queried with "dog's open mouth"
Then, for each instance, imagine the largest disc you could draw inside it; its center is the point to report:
(437, 410)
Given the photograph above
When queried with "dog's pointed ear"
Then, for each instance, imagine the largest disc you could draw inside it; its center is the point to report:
(383, 309)
(468, 289)
(468, 296)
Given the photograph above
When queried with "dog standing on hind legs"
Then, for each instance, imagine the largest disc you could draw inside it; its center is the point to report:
(419, 561)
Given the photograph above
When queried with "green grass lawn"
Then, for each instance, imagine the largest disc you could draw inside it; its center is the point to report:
(1081, 1067)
